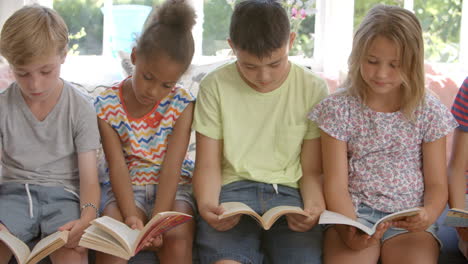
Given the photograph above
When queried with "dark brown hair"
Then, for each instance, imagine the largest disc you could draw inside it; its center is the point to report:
(259, 27)
(169, 31)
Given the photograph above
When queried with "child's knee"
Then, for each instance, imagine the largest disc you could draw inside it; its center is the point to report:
(70, 255)
(177, 243)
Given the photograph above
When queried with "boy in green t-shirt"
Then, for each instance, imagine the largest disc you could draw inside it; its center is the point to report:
(256, 146)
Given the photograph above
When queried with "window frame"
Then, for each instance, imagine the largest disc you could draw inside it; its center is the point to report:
(333, 34)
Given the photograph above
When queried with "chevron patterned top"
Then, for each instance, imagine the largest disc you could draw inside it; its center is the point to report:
(144, 140)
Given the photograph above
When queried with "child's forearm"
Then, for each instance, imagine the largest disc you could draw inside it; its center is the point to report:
(435, 199)
(122, 189)
(338, 199)
(312, 191)
(89, 199)
(90, 192)
(456, 170)
(457, 190)
(167, 188)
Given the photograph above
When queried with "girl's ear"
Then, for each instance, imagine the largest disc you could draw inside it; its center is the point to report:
(133, 56)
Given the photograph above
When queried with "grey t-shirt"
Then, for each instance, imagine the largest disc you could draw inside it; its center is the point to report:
(45, 152)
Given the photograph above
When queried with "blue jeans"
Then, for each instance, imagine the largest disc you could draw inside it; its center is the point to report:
(369, 216)
(247, 242)
(31, 211)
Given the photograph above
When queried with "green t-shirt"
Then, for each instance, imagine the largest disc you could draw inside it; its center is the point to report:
(261, 133)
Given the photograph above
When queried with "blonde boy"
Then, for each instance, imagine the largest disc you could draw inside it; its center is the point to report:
(48, 138)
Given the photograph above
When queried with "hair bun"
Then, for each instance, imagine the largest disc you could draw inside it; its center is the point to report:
(177, 13)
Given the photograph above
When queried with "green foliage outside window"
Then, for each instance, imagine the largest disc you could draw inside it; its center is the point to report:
(84, 20)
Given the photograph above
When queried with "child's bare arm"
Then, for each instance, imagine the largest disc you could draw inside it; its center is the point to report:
(457, 168)
(90, 192)
(435, 178)
(118, 171)
(207, 182)
(89, 197)
(310, 186)
(435, 187)
(172, 164)
(335, 167)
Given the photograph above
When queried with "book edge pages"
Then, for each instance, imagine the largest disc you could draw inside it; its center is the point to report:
(100, 223)
(60, 240)
(162, 221)
(235, 208)
(329, 217)
(403, 213)
(92, 245)
(17, 253)
(273, 214)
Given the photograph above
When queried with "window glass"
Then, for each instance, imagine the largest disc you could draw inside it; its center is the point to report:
(361, 7)
(440, 20)
(85, 24)
(85, 21)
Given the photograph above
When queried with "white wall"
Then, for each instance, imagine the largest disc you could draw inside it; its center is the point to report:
(8, 7)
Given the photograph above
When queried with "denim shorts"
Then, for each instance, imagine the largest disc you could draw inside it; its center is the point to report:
(30, 211)
(145, 196)
(369, 216)
(247, 242)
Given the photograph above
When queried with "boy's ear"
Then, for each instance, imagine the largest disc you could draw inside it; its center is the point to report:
(232, 46)
(292, 37)
(62, 61)
(133, 56)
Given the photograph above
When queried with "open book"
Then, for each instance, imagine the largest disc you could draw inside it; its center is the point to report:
(456, 217)
(329, 217)
(42, 249)
(267, 219)
(113, 237)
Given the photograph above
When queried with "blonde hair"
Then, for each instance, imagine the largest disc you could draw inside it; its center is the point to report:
(403, 28)
(31, 32)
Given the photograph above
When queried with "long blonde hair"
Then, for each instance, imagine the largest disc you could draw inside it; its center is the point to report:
(403, 28)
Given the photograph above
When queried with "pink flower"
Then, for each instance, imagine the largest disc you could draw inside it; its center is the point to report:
(294, 12)
(303, 13)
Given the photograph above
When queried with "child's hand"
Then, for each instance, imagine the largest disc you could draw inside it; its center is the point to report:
(301, 223)
(134, 222)
(211, 215)
(415, 223)
(154, 243)
(76, 229)
(462, 233)
(357, 240)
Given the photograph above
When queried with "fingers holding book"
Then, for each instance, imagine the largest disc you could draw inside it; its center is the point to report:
(212, 214)
(303, 223)
(356, 239)
(414, 223)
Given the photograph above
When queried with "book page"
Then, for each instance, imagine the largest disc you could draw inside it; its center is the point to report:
(18, 247)
(329, 217)
(159, 224)
(91, 242)
(47, 245)
(397, 216)
(94, 233)
(235, 208)
(270, 216)
(120, 231)
(457, 218)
